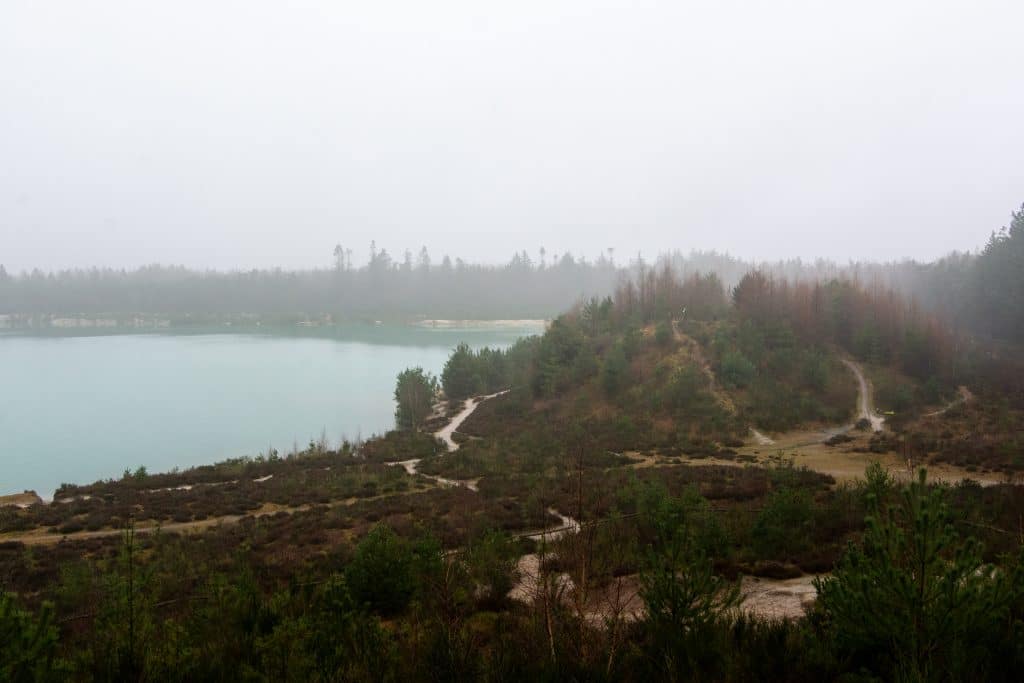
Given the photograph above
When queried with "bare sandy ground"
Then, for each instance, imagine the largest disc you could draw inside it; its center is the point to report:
(482, 324)
(841, 463)
(777, 598)
(620, 599)
(21, 500)
(807, 448)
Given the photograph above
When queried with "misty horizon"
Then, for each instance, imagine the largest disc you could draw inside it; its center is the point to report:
(359, 259)
(239, 137)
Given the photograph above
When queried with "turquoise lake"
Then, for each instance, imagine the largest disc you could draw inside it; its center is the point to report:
(81, 408)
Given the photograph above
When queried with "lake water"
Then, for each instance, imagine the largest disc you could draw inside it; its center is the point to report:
(81, 408)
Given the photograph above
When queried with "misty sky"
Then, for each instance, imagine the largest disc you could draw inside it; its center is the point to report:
(258, 133)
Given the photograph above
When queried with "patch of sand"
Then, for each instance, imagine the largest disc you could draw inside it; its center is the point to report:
(777, 598)
(21, 500)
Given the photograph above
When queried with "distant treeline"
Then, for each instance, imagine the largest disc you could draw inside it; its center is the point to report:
(384, 288)
(982, 292)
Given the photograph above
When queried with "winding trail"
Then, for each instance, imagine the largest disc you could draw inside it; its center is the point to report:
(445, 434)
(568, 525)
(43, 536)
(808, 447)
(771, 598)
(865, 398)
(530, 583)
(865, 410)
(964, 395)
(528, 567)
(697, 356)
(777, 599)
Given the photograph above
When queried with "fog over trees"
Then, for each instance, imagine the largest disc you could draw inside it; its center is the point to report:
(981, 291)
(385, 287)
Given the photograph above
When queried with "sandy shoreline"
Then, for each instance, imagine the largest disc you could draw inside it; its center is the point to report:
(441, 323)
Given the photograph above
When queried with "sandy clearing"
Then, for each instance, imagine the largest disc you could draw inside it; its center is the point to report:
(21, 500)
(442, 323)
(777, 598)
(620, 599)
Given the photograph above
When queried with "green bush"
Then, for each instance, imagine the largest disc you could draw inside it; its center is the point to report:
(663, 333)
(387, 570)
(615, 371)
(783, 527)
(736, 370)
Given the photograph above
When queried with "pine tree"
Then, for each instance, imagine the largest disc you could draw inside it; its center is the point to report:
(414, 396)
(685, 599)
(460, 377)
(27, 644)
(915, 601)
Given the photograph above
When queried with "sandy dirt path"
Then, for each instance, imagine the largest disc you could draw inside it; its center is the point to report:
(45, 537)
(696, 354)
(964, 395)
(806, 447)
(530, 584)
(445, 434)
(865, 398)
